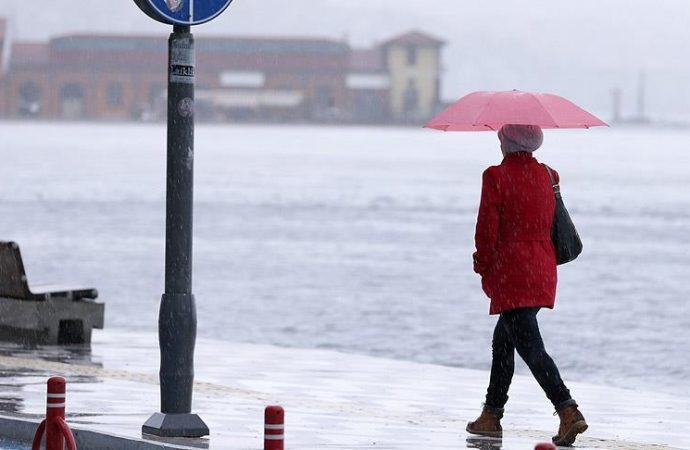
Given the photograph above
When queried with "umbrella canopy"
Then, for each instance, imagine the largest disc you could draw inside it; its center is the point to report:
(487, 110)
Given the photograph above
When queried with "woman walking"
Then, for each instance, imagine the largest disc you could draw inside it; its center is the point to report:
(516, 260)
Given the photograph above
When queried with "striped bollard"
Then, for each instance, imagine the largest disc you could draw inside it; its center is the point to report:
(274, 428)
(54, 425)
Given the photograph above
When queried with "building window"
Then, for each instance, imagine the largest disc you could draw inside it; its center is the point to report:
(370, 106)
(324, 97)
(410, 99)
(157, 93)
(30, 99)
(411, 55)
(72, 101)
(115, 94)
(157, 102)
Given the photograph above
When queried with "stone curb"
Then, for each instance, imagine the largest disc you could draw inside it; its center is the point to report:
(23, 429)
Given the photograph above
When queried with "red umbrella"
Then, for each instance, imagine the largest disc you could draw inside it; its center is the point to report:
(486, 110)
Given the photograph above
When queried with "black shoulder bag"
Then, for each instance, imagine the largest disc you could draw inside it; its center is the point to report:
(563, 233)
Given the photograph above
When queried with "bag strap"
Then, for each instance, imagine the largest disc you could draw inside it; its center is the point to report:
(556, 187)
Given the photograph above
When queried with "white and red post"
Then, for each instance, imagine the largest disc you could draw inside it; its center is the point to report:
(54, 426)
(274, 428)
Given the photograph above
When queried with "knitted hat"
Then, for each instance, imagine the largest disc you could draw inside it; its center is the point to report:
(520, 138)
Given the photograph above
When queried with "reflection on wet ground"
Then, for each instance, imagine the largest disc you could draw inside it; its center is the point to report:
(193, 443)
(484, 443)
(15, 379)
(332, 400)
(71, 354)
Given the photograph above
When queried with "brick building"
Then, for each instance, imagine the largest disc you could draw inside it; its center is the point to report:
(110, 77)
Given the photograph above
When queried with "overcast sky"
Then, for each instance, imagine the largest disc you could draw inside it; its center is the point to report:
(581, 49)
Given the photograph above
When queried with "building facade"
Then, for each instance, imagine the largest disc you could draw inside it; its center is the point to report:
(109, 77)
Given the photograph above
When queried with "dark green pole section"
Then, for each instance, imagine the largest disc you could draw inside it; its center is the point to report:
(177, 317)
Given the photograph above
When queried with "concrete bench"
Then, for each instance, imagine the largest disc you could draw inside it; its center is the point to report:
(43, 314)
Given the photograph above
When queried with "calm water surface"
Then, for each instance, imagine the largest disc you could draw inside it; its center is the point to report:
(360, 239)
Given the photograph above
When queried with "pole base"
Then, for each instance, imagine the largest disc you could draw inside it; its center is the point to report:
(175, 425)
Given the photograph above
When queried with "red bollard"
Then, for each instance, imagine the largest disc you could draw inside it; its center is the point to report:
(274, 428)
(545, 446)
(54, 425)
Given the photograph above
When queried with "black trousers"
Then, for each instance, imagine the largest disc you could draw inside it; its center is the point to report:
(518, 330)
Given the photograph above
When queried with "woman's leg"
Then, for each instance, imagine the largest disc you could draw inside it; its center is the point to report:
(502, 367)
(522, 326)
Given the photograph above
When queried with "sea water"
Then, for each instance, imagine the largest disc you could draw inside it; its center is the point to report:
(360, 239)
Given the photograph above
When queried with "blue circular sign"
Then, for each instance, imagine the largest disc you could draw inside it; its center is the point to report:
(183, 12)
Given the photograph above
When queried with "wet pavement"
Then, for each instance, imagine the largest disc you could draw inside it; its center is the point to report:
(331, 400)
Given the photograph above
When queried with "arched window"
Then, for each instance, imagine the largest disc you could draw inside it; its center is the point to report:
(115, 94)
(30, 99)
(72, 101)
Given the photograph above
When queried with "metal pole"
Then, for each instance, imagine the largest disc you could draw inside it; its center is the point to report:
(177, 316)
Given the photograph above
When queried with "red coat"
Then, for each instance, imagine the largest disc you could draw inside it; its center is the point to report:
(515, 255)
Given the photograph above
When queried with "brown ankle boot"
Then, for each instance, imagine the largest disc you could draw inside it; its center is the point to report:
(487, 424)
(572, 424)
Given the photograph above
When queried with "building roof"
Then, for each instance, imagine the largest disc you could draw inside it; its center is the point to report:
(414, 38)
(150, 52)
(248, 45)
(278, 45)
(99, 42)
(367, 60)
(249, 53)
(25, 54)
